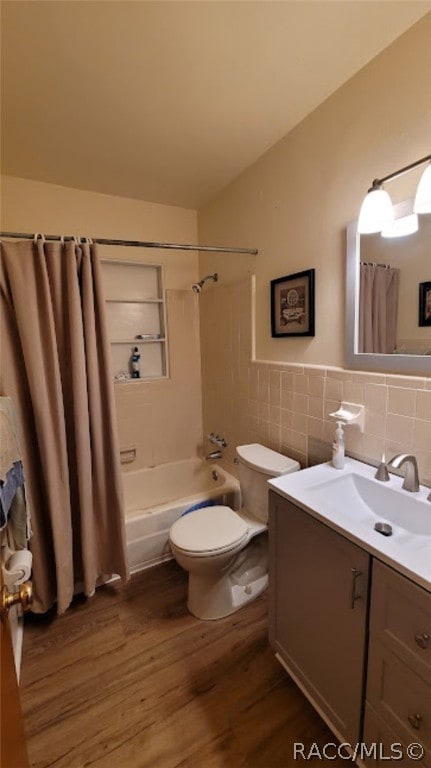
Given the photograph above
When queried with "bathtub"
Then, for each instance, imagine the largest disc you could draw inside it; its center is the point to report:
(157, 496)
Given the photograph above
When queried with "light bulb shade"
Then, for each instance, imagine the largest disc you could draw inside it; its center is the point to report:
(405, 225)
(376, 212)
(422, 202)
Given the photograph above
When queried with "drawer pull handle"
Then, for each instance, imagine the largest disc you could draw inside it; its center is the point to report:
(422, 639)
(415, 720)
(354, 596)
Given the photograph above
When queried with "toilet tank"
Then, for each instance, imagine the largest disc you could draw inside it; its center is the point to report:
(257, 464)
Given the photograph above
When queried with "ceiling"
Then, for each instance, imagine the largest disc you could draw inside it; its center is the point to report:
(169, 101)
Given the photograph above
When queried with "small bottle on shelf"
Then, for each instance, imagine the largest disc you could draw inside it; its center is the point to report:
(134, 363)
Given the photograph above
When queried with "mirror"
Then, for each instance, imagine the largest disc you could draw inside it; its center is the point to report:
(402, 264)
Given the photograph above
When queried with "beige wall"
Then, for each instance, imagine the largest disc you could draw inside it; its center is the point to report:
(162, 419)
(294, 203)
(286, 405)
(34, 206)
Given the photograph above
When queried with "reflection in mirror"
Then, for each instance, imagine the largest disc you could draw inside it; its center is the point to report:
(378, 307)
(391, 271)
(385, 329)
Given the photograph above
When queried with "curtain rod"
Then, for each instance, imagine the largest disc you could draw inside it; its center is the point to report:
(140, 243)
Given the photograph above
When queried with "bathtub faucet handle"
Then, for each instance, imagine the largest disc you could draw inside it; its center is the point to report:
(217, 440)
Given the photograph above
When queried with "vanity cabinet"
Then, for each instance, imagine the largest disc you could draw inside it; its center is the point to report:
(398, 694)
(354, 634)
(318, 613)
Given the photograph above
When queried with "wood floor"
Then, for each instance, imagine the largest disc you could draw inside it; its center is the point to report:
(130, 679)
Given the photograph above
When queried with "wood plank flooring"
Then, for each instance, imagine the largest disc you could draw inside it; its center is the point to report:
(129, 679)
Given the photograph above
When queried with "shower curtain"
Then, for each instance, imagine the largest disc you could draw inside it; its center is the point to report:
(55, 366)
(378, 307)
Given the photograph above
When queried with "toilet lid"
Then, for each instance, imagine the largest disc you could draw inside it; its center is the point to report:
(208, 529)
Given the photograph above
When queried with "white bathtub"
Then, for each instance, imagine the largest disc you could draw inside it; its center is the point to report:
(157, 496)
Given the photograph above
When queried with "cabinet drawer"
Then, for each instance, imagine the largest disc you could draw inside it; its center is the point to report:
(381, 743)
(401, 617)
(401, 697)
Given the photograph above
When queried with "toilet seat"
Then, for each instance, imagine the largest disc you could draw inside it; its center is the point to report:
(209, 531)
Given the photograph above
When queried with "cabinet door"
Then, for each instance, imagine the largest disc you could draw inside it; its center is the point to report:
(318, 612)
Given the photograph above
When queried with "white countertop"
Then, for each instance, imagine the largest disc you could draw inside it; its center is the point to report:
(408, 553)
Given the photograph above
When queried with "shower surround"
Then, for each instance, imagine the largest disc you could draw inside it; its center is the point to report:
(162, 419)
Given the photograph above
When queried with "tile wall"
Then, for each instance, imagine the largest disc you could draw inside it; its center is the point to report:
(162, 419)
(286, 406)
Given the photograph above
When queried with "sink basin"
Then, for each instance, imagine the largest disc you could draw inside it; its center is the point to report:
(366, 500)
(352, 501)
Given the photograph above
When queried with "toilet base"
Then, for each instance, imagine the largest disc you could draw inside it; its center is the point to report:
(214, 597)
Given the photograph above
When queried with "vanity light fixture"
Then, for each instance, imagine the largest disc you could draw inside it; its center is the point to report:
(377, 211)
(422, 202)
(405, 225)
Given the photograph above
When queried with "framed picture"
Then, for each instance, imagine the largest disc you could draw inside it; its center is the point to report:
(292, 305)
(425, 303)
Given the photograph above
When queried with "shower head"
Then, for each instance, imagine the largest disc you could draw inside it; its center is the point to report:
(197, 287)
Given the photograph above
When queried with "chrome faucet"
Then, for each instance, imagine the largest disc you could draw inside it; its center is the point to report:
(213, 455)
(411, 480)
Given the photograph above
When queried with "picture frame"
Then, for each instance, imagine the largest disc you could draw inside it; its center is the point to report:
(292, 305)
(425, 304)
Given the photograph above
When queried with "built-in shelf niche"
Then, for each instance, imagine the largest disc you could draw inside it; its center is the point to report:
(136, 307)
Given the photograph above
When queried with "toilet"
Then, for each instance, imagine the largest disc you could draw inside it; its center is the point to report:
(225, 552)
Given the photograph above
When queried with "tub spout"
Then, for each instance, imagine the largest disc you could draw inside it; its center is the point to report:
(213, 455)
